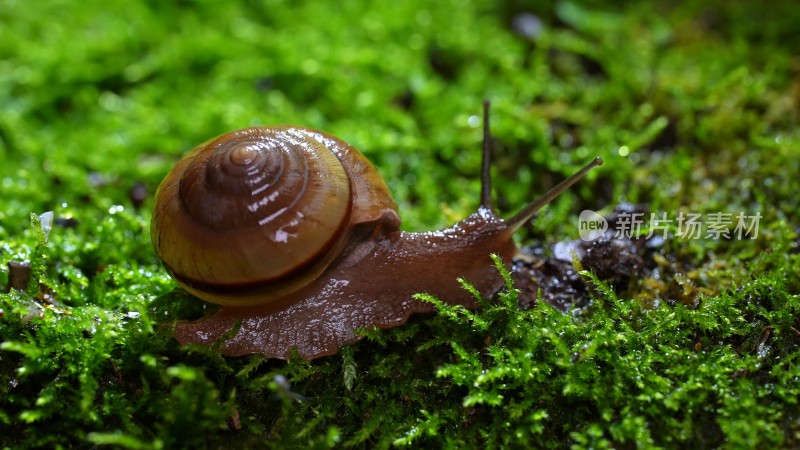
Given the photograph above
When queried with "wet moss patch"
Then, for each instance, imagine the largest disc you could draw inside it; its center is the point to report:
(685, 341)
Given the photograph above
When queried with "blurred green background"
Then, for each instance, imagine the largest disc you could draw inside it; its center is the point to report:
(694, 106)
(98, 97)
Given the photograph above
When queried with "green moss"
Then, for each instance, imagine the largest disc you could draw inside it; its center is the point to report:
(694, 107)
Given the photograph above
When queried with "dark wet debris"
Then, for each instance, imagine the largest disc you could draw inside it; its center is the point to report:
(19, 275)
(635, 267)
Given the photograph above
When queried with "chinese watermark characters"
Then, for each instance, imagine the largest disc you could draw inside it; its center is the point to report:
(717, 225)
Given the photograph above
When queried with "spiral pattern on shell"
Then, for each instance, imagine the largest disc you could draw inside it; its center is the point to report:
(256, 213)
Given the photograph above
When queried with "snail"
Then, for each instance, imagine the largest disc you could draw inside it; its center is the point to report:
(294, 233)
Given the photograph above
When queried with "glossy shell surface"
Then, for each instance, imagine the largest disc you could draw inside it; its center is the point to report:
(258, 213)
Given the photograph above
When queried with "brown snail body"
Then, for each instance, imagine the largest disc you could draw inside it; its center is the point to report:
(292, 274)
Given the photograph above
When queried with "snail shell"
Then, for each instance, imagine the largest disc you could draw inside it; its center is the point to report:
(258, 213)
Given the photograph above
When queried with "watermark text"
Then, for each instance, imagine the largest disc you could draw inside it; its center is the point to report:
(685, 225)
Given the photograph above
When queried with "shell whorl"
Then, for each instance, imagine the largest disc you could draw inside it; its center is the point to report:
(257, 176)
(256, 213)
